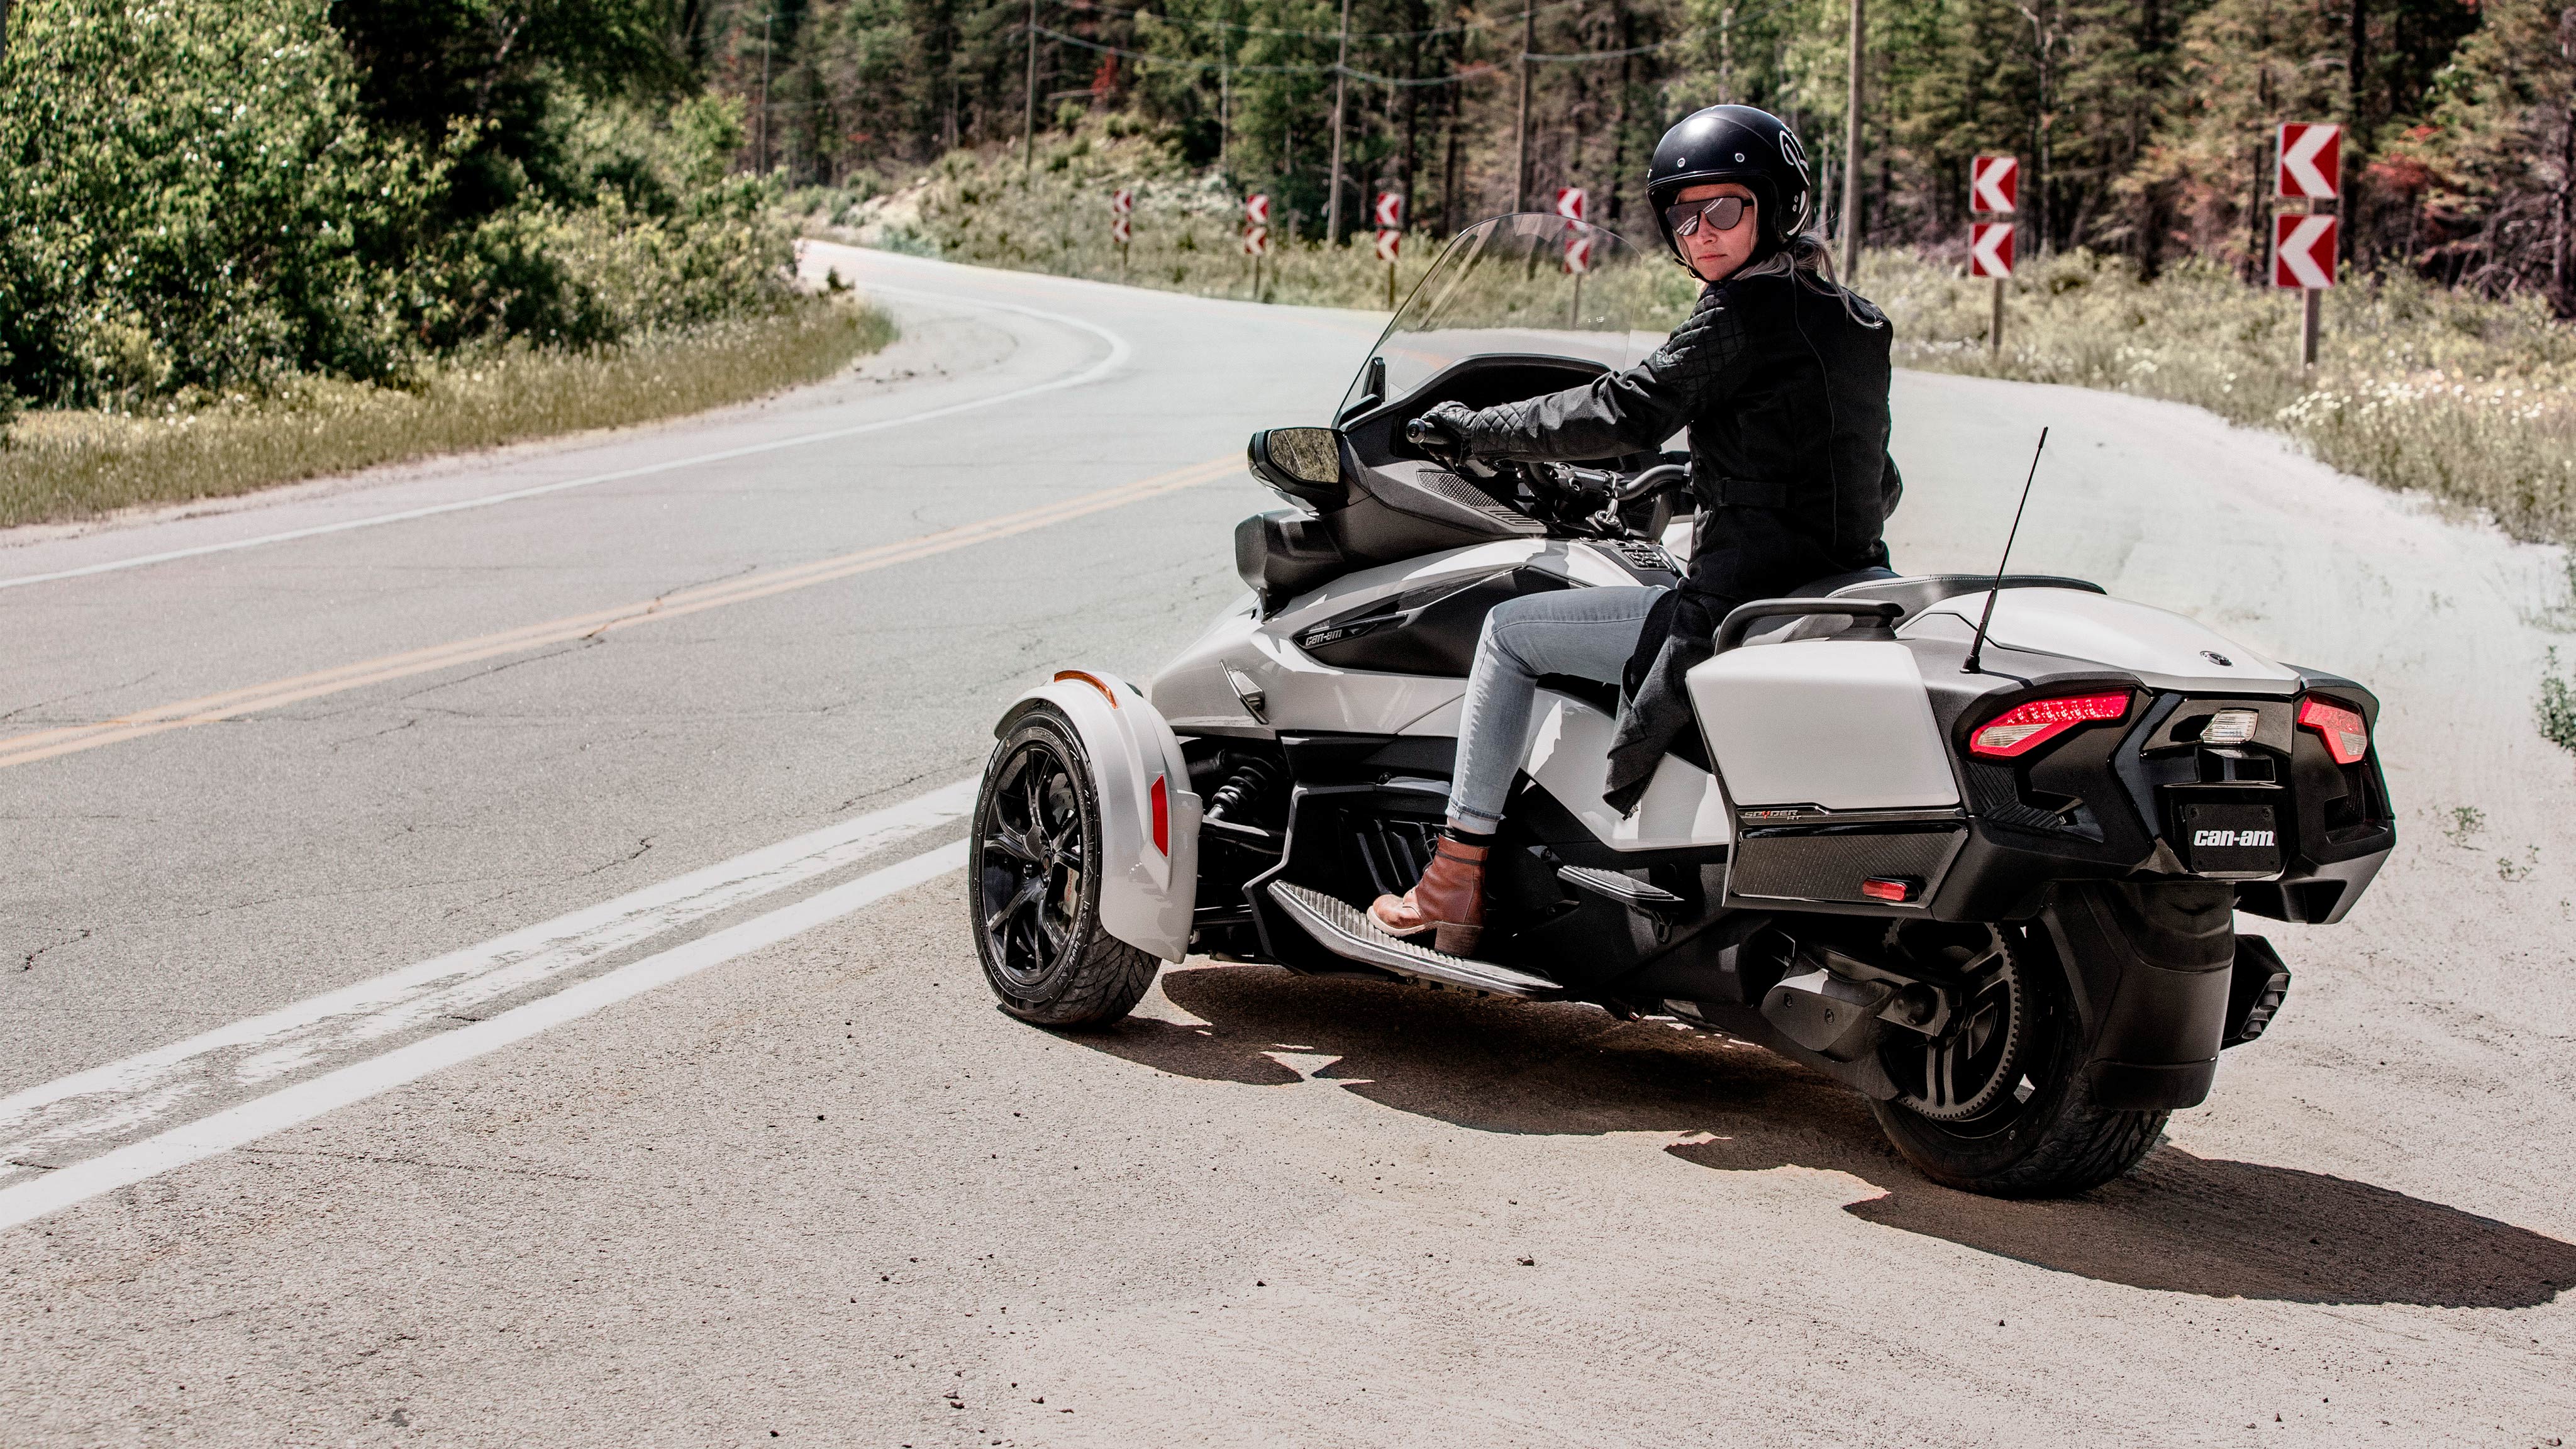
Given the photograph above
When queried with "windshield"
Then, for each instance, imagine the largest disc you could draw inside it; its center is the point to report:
(1529, 283)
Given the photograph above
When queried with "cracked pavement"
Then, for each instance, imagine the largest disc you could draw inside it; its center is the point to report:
(825, 1194)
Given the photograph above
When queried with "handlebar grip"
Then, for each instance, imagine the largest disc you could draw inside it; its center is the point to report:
(1741, 619)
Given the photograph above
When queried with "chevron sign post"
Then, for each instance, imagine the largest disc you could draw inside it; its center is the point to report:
(1994, 193)
(2308, 171)
(1994, 184)
(1256, 235)
(1388, 213)
(1990, 254)
(2310, 165)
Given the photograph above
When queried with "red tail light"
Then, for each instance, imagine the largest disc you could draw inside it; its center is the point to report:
(2025, 727)
(2346, 734)
(1161, 800)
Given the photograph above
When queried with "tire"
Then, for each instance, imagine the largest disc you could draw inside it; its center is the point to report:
(2036, 1133)
(1033, 884)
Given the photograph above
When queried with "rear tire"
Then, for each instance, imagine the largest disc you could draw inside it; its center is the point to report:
(2041, 1135)
(1033, 884)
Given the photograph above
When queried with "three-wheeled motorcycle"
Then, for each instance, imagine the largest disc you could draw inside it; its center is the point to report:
(1973, 845)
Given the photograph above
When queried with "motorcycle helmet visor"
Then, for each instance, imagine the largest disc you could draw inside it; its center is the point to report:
(1722, 213)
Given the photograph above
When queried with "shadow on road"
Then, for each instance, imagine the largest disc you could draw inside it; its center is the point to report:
(2182, 1223)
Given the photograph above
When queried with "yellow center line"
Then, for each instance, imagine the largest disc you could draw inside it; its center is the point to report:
(251, 699)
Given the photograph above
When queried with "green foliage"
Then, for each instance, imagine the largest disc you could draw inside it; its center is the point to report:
(2557, 706)
(201, 200)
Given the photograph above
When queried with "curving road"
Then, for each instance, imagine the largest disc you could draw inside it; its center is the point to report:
(480, 963)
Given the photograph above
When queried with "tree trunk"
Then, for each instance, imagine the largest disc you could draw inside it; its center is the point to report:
(2356, 140)
(2562, 260)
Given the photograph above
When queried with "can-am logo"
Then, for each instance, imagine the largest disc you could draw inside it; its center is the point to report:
(2261, 839)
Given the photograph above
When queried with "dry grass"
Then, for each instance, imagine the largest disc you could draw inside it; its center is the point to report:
(2469, 400)
(66, 465)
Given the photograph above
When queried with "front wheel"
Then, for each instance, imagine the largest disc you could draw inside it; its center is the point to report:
(1033, 884)
(1996, 1102)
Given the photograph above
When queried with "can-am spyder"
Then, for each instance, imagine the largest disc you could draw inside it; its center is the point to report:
(1998, 901)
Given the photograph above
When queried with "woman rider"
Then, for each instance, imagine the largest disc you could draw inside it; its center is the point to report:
(1781, 376)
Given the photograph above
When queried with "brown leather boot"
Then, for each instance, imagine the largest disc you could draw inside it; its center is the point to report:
(1449, 902)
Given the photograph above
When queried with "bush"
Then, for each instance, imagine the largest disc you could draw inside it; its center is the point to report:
(194, 203)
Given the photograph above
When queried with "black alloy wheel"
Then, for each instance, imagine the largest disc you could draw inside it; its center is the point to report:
(1030, 860)
(1033, 887)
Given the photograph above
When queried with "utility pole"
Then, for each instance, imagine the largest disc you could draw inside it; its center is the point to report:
(766, 16)
(1851, 157)
(1520, 150)
(1341, 83)
(2356, 134)
(1029, 107)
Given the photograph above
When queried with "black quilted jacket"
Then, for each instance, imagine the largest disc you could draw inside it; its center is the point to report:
(1782, 382)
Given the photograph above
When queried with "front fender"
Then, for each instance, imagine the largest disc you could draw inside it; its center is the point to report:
(1146, 892)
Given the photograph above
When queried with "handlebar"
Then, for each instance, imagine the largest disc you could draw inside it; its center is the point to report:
(1653, 481)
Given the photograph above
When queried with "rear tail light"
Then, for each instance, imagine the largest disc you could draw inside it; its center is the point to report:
(1161, 799)
(2025, 727)
(2346, 734)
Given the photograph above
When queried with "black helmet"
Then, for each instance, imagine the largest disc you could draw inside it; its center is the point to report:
(1753, 148)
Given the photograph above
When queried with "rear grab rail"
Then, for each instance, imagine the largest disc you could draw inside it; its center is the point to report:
(1743, 617)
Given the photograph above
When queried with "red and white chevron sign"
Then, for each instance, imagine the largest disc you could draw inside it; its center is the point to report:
(1990, 248)
(1569, 202)
(1118, 230)
(1387, 243)
(1578, 251)
(1122, 201)
(1388, 212)
(2311, 161)
(1256, 209)
(1994, 184)
(2303, 251)
(1256, 241)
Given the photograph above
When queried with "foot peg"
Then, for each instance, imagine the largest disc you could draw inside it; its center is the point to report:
(1346, 931)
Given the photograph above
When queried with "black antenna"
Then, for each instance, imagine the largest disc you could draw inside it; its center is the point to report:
(1978, 648)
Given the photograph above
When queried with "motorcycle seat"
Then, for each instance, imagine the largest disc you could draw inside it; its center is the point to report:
(1913, 594)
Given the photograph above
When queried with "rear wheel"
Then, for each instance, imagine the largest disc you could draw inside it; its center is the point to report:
(1995, 1100)
(1033, 885)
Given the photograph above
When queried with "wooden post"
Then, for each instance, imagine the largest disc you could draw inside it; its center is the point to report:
(1995, 325)
(2311, 307)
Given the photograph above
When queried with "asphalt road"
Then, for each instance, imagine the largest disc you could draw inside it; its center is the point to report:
(488, 969)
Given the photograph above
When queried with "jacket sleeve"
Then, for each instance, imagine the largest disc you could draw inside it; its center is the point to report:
(1625, 412)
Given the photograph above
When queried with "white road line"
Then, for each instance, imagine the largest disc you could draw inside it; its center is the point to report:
(120, 1098)
(1119, 352)
(250, 1121)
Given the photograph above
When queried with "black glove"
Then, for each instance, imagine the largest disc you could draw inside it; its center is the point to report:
(1442, 433)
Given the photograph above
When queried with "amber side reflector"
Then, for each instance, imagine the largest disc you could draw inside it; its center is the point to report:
(1093, 680)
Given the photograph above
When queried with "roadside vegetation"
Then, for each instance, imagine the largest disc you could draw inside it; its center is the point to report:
(77, 463)
(247, 243)
(2469, 399)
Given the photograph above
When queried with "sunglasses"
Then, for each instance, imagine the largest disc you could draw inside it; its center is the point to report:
(1725, 213)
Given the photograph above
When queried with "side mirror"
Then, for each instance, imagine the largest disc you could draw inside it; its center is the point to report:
(1303, 465)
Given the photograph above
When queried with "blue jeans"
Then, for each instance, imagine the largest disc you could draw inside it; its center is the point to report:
(1587, 633)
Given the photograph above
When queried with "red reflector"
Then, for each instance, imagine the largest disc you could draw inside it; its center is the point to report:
(1887, 890)
(1162, 802)
(2347, 737)
(2025, 727)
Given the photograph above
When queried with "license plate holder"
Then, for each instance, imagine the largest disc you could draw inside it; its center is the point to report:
(2228, 839)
